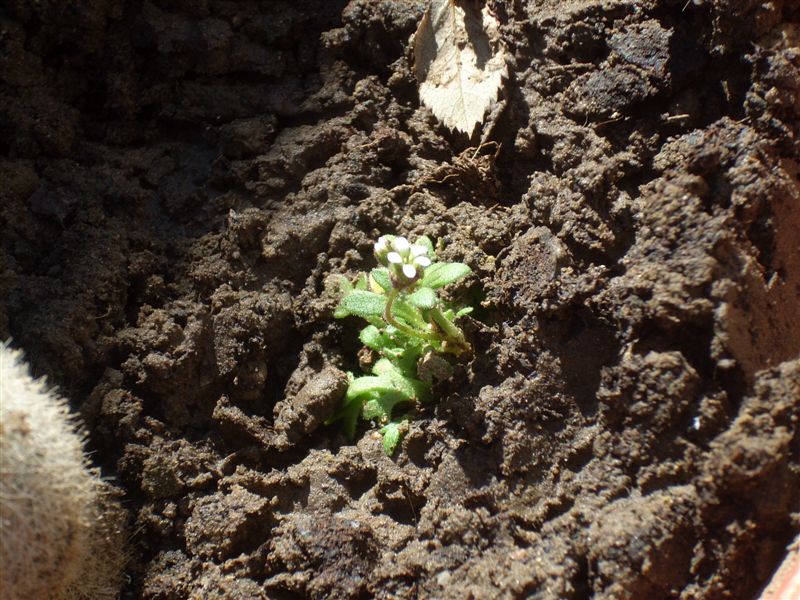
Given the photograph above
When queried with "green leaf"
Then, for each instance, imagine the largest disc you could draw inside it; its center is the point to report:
(464, 311)
(392, 434)
(409, 386)
(371, 337)
(408, 313)
(440, 274)
(381, 407)
(423, 298)
(391, 384)
(350, 418)
(370, 385)
(344, 284)
(381, 277)
(349, 415)
(384, 340)
(406, 362)
(384, 367)
(362, 304)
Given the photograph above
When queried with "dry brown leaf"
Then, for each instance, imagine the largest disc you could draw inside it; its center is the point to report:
(459, 62)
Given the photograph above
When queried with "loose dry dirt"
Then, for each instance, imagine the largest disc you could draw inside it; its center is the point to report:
(178, 180)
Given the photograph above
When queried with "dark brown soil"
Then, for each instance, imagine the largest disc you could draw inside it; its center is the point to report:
(179, 179)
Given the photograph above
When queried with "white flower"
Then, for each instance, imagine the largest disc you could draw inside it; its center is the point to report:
(406, 261)
(401, 245)
(422, 261)
(418, 250)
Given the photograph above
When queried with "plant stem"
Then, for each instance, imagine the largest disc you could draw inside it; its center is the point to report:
(402, 327)
(453, 333)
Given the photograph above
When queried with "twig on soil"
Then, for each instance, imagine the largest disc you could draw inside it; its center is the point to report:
(411, 504)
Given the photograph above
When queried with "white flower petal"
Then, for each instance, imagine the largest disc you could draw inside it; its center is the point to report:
(401, 245)
(410, 271)
(418, 250)
(422, 261)
(394, 258)
(380, 247)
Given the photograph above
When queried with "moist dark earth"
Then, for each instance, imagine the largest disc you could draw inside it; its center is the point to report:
(179, 181)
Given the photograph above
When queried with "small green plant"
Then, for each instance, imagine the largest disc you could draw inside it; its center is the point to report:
(410, 331)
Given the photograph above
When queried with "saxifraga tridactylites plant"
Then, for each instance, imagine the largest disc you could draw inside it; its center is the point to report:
(411, 328)
(61, 528)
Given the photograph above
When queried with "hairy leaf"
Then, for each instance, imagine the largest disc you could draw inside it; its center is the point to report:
(459, 61)
(380, 407)
(376, 385)
(361, 303)
(440, 274)
(392, 434)
(408, 313)
(381, 277)
(413, 388)
(384, 367)
(424, 297)
(371, 337)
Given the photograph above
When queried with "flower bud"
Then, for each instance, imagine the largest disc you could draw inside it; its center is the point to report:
(382, 248)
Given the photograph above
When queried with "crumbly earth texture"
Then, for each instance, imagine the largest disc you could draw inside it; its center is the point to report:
(180, 179)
